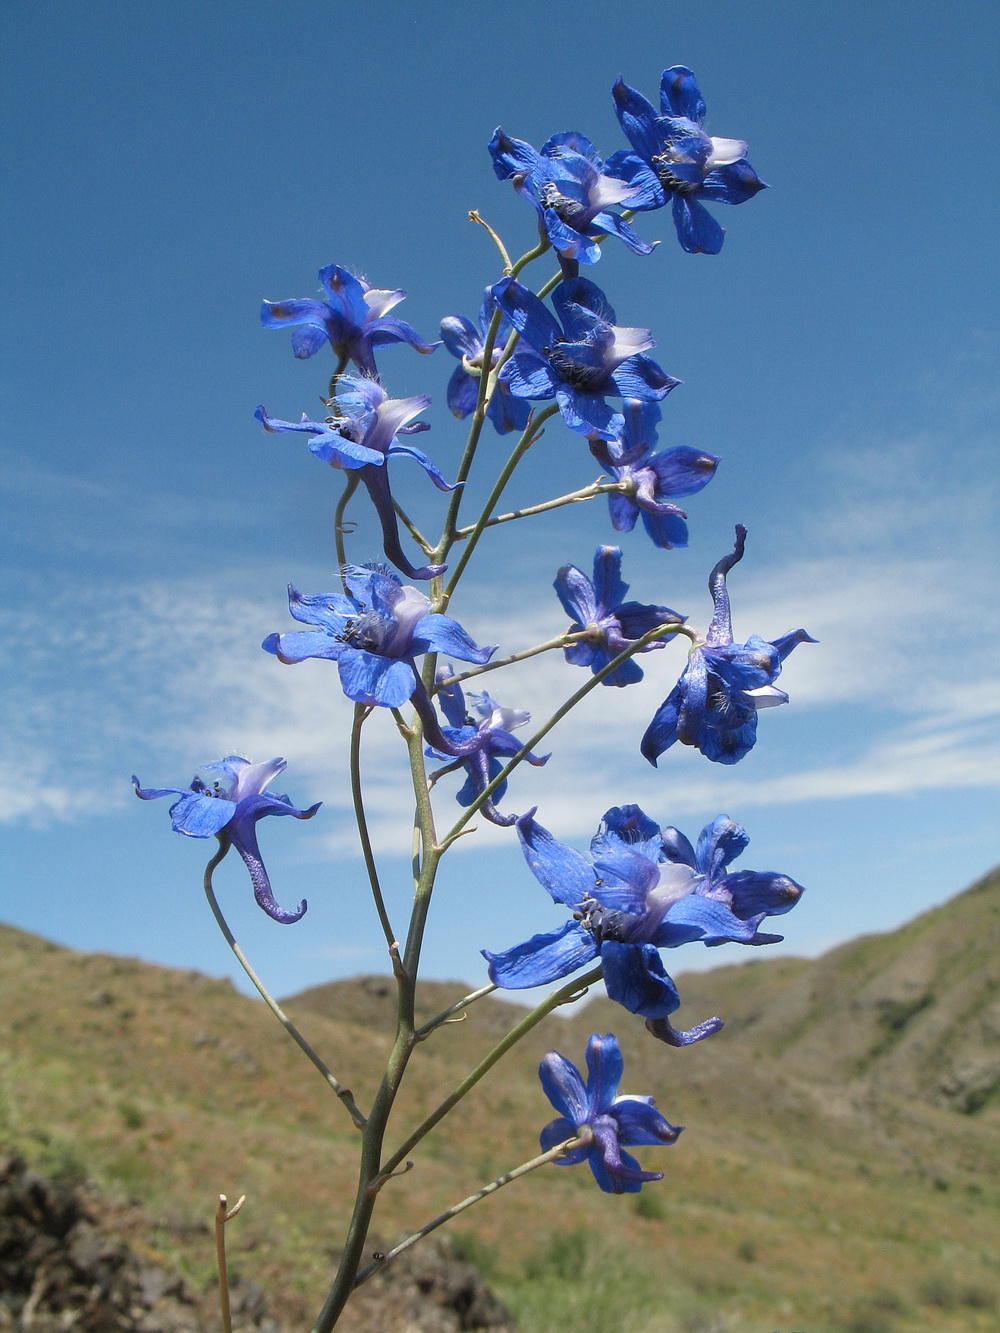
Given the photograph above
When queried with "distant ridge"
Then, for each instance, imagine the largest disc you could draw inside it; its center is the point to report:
(839, 1170)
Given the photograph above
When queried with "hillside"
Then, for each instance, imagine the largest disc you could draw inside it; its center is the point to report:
(838, 1170)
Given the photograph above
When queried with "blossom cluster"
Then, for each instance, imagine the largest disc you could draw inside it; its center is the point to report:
(529, 355)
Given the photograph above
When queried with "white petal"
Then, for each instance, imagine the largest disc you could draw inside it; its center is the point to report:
(610, 191)
(379, 302)
(767, 696)
(724, 151)
(628, 341)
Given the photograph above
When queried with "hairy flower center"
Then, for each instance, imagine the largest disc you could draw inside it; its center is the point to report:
(669, 178)
(674, 883)
(575, 373)
(568, 210)
(366, 631)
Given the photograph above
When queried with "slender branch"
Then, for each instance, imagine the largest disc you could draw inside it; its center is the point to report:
(222, 1215)
(560, 641)
(351, 480)
(529, 436)
(361, 712)
(670, 627)
(342, 1092)
(581, 1140)
(574, 497)
(474, 216)
(445, 1015)
(531, 1020)
(412, 528)
(331, 391)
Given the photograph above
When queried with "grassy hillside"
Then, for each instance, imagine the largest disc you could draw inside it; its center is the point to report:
(838, 1172)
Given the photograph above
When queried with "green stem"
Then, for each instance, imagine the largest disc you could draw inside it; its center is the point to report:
(412, 528)
(574, 497)
(671, 627)
(361, 713)
(342, 1092)
(528, 438)
(351, 480)
(581, 1140)
(445, 1015)
(560, 641)
(531, 1020)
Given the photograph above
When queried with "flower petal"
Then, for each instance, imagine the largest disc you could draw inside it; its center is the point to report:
(640, 1123)
(605, 1066)
(201, 816)
(636, 979)
(542, 959)
(561, 870)
(368, 678)
(562, 1084)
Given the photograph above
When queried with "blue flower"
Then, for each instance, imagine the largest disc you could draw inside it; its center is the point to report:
(681, 159)
(643, 890)
(373, 635)
(493, 730)
(227, 799)
(714, 704)
(612, 1120)
(353, 320)
(466, 342)
(598, 609)
(581, 361)
(362, 438)
(572, 190)
(651, 477)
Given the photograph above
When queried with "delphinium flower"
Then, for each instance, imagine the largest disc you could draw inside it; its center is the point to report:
(642, 890)
(714, 705)
(598, 609)
(492, 725)
(226, 799)
(582, 360)
(572, 189)
(467, 342)
(614, 1121)
(651, 477)
(363, 438)
(373, 635)
(688, 165)
(353, 319)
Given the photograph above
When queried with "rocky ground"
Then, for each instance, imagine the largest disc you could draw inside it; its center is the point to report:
(66, 1264)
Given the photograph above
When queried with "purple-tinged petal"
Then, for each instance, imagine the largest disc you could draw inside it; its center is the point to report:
(244, 838)
(577, 595)
(460, 336)
(616, 226)
(533, 321)
(398, 449)
(529, 377)
(561, 870)
(728, 747)
(692, 700)
(647, 192)
(637, 118)
(625, 866)
(201, 816)
(154, 793)
(302, 644)
(696, 917)
(641, 1124)
(609, 586)
(667, 532)
(307, 339)
(639, 377)
(463, 393)
(697, 231)
(720, 842)
(507, 412)
(677, 848)
(346, 293)
(510, 156)
(605, 1067)
(367, 678)
(731, 183)
(661, 1029)
(636, 979)
(588, 413)
(679, 94)
(623, 511)
(542, 959)
(787, 642)
(682, 470)
(377, 484)
(761, 891)
(629, 823)
(628, 1177)
(440, 633)
(327, 609)
(282, 314)
(389, 329)
(662, 731)
(720, 631)
(562, 1084)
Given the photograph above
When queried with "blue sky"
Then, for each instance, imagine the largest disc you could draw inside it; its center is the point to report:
(173, 164)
